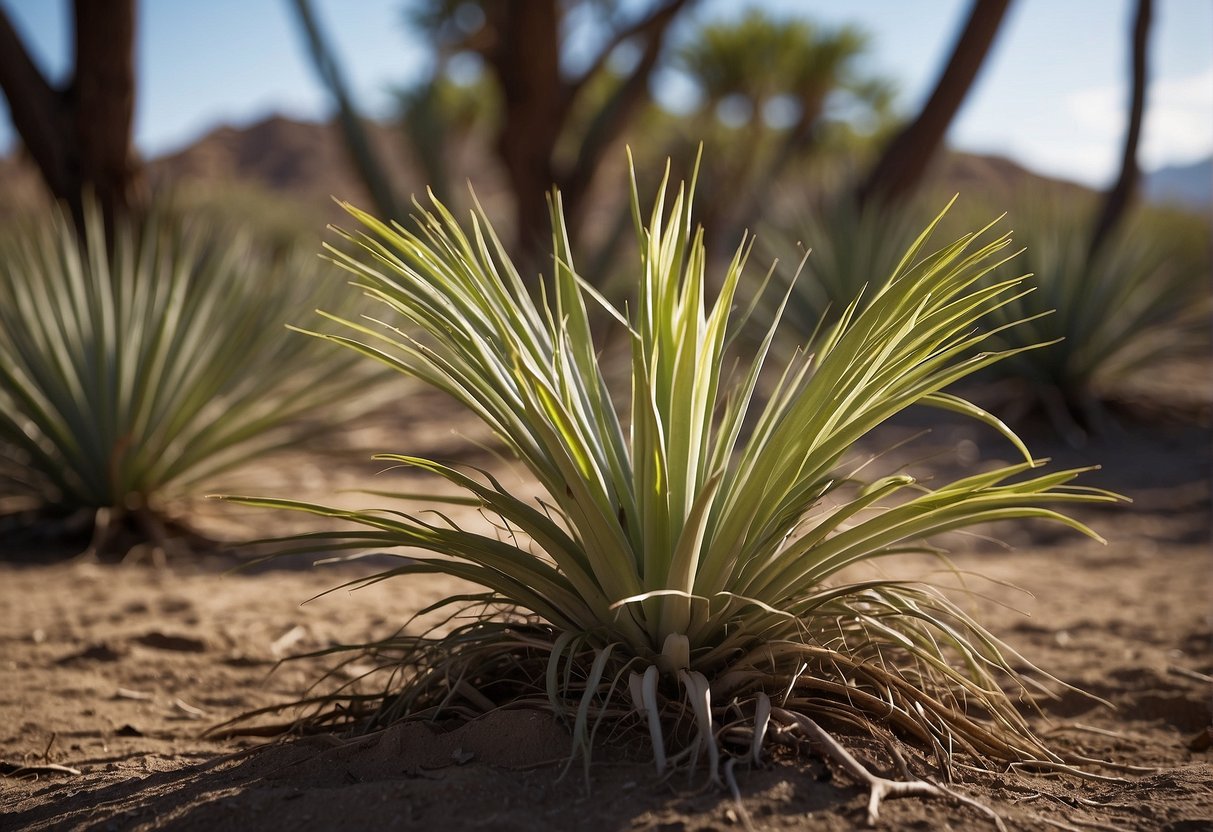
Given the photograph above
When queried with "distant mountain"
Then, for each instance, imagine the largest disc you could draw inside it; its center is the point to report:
(996, 177)
(1188, 185)
(304, 161)
(307, 160)
(277, 153)
(303, 164)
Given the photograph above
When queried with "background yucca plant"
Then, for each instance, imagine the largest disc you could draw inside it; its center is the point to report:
(853, 250)
(1145, 297)
(686, 566)
(135, 371)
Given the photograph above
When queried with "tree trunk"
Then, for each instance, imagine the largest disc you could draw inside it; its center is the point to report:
(526, 61)
(609, 122)
(537, 100)
(908, 155)
(520, 42)
(103, 105)
(799, 139)
(1118, 199)
(37, 110)
(80, 137)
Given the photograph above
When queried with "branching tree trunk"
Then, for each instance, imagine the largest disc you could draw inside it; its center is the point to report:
(906, 159)
(610, 121)
(521, 44)
(1117, 200)
(524, 54)
(80, 136)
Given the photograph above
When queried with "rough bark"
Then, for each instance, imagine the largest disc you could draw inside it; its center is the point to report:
(524, 54)
(80, 136)
(521, 45)
(103, 103)
(1117, 200)
(909, 154)
(37, 109)
(525, 57)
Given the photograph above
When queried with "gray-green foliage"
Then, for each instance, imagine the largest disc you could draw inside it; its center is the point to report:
(135, 372)
(853, 251)
(1144, 298)
(688, 560)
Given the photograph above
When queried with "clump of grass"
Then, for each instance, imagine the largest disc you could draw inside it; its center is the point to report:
(853, 250)
(1142, 299)
(136, 371)
(685, 566)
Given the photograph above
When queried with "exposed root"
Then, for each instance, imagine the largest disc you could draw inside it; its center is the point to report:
(1203, 678)
(731, 781)
(142, 534)
(514, 661)
(1202, 741)
(1085, 729)
(21, 770)
(879, 788)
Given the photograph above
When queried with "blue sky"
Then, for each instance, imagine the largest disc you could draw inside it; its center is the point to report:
(1052, 94)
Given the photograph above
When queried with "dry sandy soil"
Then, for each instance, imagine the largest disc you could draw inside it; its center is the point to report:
(115, 671)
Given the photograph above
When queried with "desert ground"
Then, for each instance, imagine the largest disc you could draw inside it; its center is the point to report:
(110, 674)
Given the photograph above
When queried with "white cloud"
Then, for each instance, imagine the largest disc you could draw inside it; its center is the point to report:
(1099, 109)
(1077, 159)
(1179, 117)
(1047, 136)
(1179, 120)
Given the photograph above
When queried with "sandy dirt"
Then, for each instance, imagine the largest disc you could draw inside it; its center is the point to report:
(115, 671)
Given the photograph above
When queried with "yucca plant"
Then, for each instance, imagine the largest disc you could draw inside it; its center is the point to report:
(686, 566)
(135, 371)
(1143, 298)
(853, 250)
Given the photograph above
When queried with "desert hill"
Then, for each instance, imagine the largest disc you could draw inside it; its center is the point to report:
(303, 164)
